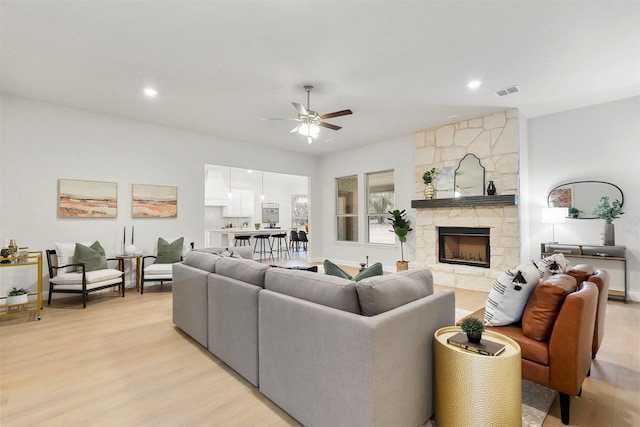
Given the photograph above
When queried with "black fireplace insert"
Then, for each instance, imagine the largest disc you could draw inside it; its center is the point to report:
(464, 245)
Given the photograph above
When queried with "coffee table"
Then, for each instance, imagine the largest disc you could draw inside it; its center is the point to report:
(296, 265)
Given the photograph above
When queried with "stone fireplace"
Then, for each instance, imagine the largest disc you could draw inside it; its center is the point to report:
(493, 139)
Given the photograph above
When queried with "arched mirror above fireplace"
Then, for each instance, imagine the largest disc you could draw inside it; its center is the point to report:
(469, 177)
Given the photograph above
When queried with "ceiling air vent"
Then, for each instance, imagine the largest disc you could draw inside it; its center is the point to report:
(508, 90)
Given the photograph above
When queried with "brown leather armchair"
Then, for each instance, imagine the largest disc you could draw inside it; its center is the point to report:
(561, 316)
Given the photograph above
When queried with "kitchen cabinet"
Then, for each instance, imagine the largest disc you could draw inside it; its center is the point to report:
(241, 204)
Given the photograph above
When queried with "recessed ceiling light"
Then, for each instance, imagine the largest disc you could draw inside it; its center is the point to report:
(150, 92)
(474, 84)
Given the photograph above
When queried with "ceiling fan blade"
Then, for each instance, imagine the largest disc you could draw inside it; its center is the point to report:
(336, 114)
(295, 129)
(300, 108)
(329, 126)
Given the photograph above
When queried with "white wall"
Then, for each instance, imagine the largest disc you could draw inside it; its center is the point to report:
(601, 143)
(396, 154)
(41, 143)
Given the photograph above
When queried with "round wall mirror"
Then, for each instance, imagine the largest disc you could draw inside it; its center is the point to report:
(581, 197)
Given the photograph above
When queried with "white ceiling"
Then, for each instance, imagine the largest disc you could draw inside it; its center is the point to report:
(401, 66)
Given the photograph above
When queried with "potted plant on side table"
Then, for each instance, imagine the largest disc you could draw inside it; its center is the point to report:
(401, 227)
(473, 327)
(608, 212)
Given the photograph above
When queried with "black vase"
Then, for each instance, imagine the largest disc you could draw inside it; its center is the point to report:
(491, 189)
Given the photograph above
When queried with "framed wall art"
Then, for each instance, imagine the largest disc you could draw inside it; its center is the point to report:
(87, 199)
(154, 201)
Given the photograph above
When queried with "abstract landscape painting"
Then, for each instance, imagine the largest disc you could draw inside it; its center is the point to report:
(87, 199)
(154, 201)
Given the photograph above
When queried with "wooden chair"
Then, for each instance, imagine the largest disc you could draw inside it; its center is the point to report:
(80, 281)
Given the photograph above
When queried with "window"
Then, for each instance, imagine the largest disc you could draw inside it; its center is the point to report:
(347, 208)
(299, 211)
(380, 200)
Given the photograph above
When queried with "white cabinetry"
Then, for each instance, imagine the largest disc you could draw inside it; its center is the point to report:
(215, 193)
(241, 204)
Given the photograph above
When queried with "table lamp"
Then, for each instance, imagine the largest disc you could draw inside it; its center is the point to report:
(554, 216)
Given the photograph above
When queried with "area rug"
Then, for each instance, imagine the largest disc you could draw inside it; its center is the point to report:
(536, 401)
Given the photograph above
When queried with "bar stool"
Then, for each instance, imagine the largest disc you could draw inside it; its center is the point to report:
(242, 241)
(302, 236)
(263, 240)
(294, 241)
(278, 245)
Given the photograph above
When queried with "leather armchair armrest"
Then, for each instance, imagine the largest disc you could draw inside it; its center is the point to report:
(571, 338)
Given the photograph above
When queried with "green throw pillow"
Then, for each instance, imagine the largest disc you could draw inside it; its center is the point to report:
(168, 253)
(93, 257)
(373, 270)
(333, 270)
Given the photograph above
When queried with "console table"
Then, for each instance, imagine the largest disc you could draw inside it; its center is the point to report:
(611, 258)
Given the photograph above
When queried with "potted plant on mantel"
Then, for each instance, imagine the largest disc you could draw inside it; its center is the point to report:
(17, 296)
(473, 327)
(401, 227)
(608, 212)
(428, 178)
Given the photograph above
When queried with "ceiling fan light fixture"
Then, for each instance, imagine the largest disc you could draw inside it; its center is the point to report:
(309, 129)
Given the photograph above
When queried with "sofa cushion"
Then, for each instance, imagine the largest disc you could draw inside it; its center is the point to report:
(156, 270)
(93, 257)
(323, 289)
(202, 260)
(509, 294)
(581, 272)
(169, 253)
(245, 270)
(544, 305)
(92, 277)
(66, 255)
(383, 293)
(242, 251)
(553, 264)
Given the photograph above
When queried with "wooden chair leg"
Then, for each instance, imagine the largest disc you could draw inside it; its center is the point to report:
(565, 406)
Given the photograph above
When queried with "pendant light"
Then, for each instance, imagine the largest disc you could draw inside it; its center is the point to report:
(230, 195)
(262, 193)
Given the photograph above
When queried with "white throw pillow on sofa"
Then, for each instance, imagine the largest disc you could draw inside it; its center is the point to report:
(553, 264)
(509, 294)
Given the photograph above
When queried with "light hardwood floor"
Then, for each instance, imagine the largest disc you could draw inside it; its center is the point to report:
(121, 362)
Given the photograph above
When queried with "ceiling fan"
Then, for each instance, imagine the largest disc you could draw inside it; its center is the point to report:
(310, 121)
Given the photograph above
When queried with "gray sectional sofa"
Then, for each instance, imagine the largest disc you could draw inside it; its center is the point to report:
(327, 350)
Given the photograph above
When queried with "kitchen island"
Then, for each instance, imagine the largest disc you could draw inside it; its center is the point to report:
(216, 237)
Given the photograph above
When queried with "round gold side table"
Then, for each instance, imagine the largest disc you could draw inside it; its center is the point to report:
(477, 390)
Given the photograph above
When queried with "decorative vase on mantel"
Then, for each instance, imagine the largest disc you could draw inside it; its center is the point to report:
(429, 191)
(491, 189)
(609, 234)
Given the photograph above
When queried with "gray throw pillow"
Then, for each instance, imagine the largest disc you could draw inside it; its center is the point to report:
(93, 257)
(168, 253)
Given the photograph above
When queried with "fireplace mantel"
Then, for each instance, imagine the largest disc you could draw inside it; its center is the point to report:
(474, 201)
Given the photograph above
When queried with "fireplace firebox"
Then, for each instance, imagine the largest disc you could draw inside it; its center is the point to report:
(464, 245)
